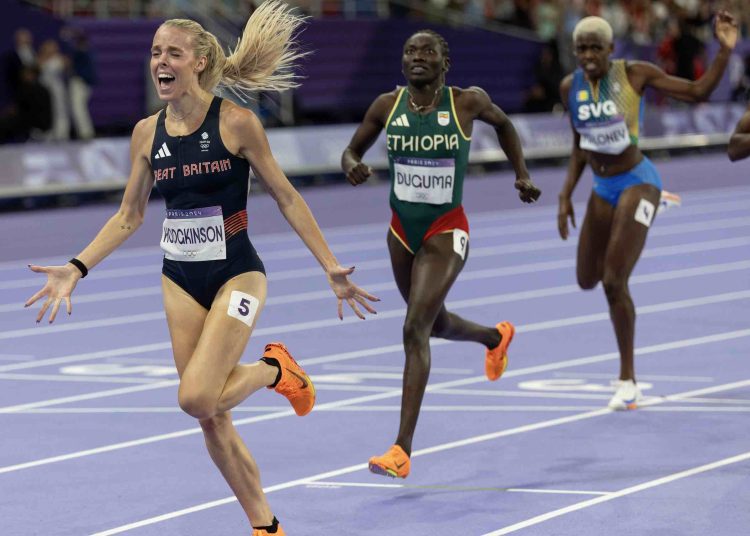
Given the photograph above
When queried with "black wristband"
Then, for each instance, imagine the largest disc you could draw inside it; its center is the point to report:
(82, 267)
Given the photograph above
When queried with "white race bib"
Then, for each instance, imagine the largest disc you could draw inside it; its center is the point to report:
(608, 138)
(424, 180)
(194, 235)
(460, 242)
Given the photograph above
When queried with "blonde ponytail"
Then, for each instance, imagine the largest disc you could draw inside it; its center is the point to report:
(263, 59)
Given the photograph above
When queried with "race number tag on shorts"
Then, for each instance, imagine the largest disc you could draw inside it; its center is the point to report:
(608, 138)
(243, 307)
(424, 180)
(460, 242)
(645, 212)
(194, 235)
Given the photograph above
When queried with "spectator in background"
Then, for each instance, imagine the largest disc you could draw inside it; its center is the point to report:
(548, 18)
(83, 77)
(22, 55)
(544, 94)
(31, 110)
(688, 49)
(52, 65)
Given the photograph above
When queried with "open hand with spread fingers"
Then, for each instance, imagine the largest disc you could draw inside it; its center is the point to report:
(61, 280)
(726, 30)
(347, 291)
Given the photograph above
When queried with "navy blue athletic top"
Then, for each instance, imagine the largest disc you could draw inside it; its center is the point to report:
(197, 171)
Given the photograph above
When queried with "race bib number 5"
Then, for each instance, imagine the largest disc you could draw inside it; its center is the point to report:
(243, 307)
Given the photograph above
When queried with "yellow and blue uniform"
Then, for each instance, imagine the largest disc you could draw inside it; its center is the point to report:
(607, 115)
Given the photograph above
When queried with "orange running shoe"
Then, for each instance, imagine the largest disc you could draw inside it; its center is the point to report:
(294, 384)
(496, 360)
(264, 532)
(394, 463)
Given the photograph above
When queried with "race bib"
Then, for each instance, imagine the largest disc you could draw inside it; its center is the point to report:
(460, 242)
(194, 235)
(424, 180)
(608, 138)
(645, 212)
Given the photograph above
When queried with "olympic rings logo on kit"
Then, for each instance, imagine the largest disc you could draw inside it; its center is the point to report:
(191, 254)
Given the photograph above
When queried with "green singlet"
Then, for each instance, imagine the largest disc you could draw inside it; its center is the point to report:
(427, 157)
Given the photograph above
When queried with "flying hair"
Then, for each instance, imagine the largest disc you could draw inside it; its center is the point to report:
(594, 25)
(263, 59)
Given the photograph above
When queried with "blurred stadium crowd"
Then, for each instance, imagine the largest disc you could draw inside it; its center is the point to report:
(48, 83)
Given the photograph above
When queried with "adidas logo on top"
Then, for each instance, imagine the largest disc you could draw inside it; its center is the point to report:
(400, 121)
(163, 152)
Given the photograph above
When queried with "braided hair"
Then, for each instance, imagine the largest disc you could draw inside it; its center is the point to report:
(443, 43)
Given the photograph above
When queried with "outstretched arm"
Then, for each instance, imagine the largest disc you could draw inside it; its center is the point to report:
(351, 161)
(244, 126)
(61, 280)
(647, 74)
(739, 143)
(490, 113)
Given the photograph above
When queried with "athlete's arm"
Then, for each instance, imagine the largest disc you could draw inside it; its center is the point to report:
(246, 132)
(479, 103)
(739, 143)
(576, 165)
(368, 131)
(61, 280)
(644, 74)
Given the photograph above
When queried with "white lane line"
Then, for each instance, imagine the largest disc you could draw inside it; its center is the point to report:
(695, 202)
(431, 408)
(538, 326)
(705, 391)
(383, 286)
(88, 396)
(344, 409)
(78, 379)
(701, 409)
(622, 493)
(526, 394)
(99, 354)
(353, 388)
(648, 377)
(322, 484)
(358, 467)
(150, 409)
(384, 368)
(359, 485)
(705, 400)
(670, 275)
(683, 343)
(557, 491)
(676, 228)
(115, 295)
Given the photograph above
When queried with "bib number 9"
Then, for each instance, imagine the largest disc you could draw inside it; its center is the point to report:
(460, 242)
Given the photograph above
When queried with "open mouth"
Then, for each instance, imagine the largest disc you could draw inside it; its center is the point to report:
(165, 80)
